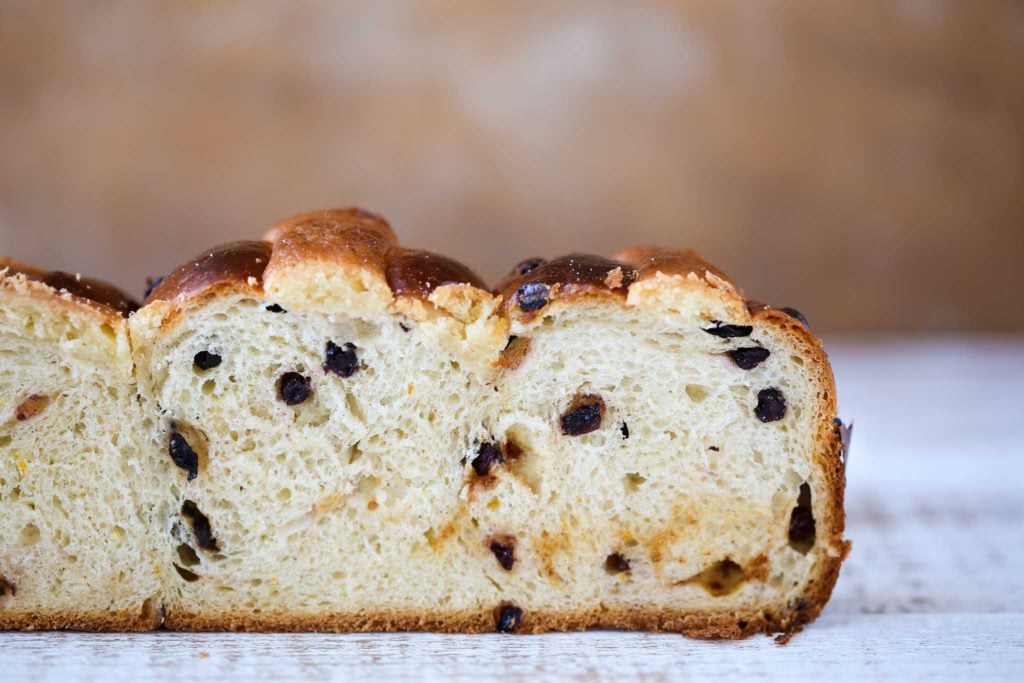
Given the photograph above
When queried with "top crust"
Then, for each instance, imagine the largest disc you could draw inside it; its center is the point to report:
(95, 295)
(236, 263)
(419, 273)
(650, 261)
(358, 245)
(567, 277)
(662, 278)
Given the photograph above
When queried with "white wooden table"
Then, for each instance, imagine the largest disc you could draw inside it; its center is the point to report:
(934, 587)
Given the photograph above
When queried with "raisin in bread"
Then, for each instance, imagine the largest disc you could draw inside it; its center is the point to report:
(354, 436)
(76, 550)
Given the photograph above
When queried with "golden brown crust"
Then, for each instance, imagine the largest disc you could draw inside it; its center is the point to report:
(339, 238)
(534, 284)
(829, 459)
(419, 273)
(78, 621)
(649, 261)
(240, 263)
(330, 239)
(333, 221)
(86, 290)
(726, 624)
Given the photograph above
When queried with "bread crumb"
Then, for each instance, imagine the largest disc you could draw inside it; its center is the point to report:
(203, 654)
(494, 504)
(252, 281)
(410, 387)
(614, 278)
(372, 505)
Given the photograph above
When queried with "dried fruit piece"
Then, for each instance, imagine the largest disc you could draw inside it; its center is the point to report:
(802, 530)
(504, 550)
(524, 267)
(625, 430)
(341, 360)
(583, 416)
(183, 455)
(276, 308)
(532, 296)
(509, 618)
(793, 313)
(151, 284)
(616, 564)
(294, 388)
(186, 574)
(771, 405)
(514, 352)
(187, 555)
(749, 358)
(31, 406)
(205, 360)
(488, 454)
(727, 331)
(200, 526)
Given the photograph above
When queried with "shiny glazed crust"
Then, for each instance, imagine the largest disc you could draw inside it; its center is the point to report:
(353, 241)
(361, 247)
(82, 293)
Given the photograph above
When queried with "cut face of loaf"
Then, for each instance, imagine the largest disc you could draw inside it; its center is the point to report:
(329, 426)
(673, 461)
(75, 547)
(353, 436)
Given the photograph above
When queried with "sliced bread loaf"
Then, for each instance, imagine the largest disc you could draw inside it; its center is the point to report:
(670, 458)
(76, 550)
(355, 436)
(314, 398)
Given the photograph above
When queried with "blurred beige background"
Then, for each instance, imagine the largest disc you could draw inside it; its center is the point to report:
(862, 161)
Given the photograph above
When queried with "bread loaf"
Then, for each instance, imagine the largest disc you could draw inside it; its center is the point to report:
(355, 436)
(76, 550)
(341, 434)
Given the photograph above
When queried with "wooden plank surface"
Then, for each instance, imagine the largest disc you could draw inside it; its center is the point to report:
(934, 588)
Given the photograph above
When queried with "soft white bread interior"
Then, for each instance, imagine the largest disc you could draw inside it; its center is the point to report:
(673, 459)
(75, 546)
(329, 435)
(355, 436)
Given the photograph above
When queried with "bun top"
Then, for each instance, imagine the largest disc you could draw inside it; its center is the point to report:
(344, 239)
(534, 283)
(361, 246)
(93, 292)
(228, 264)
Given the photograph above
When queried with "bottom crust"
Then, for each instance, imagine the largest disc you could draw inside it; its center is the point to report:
(697, 625)
(721, 624)
(77, 621)
(638, 619)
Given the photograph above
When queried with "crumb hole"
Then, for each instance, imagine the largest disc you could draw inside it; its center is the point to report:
(29, 535)
(721, 578)
(697, 392)
(632, 481)
(802, 530)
